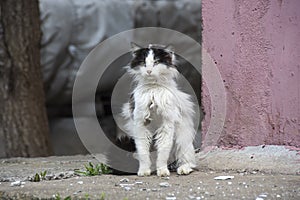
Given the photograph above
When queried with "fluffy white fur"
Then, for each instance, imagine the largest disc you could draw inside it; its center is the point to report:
(162, 113)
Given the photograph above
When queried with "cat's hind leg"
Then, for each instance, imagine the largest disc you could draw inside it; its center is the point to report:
(185, 152)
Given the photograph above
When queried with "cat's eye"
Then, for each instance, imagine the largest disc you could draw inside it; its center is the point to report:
(156, 62)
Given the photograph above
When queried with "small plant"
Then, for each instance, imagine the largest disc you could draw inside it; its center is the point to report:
(58, 197)
(36, 178)
(91, 170)
(43, 174)
(105, 169)
(67, 198)
(87, 196)
(102, 197)
(39, 176)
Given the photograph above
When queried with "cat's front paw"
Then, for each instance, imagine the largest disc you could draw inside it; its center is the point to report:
(163, 172)
(184, 169)
(144, 172)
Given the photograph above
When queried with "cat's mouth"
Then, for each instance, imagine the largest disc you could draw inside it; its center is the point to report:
(150, 77)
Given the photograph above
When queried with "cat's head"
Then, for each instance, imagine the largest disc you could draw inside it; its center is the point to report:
(155, 62)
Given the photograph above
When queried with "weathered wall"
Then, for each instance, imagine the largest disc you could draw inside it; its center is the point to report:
(256, 47)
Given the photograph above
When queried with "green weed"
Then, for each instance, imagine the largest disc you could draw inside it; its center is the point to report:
(40, 176)
(93, 170)
(58, 197)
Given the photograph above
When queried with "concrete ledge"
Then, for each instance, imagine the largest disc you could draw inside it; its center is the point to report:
(269, 159)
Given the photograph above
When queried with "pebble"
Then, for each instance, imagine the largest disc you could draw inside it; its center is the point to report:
(69, 174)
(49, 176)
(80, 182)
(126, 184)
(138, 183)
(124, 180)
(170, 197)
(259, 198)
(127, 188)
(79, 191)
(164, 184)
(263, 195)
(61, 174)
(16, 183)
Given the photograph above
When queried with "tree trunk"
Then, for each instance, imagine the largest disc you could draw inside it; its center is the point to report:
(23, 120)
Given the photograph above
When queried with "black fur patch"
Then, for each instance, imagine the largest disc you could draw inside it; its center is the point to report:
(139, 57)
(160, 55)
(163, 56)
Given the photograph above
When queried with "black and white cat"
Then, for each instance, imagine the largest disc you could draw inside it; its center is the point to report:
(158, 113)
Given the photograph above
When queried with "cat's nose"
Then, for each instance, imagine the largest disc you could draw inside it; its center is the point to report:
(149, 71)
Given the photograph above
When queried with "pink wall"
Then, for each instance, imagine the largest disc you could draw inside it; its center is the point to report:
(256, 47)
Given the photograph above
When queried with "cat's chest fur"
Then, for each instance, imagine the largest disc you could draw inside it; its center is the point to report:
(155, 102)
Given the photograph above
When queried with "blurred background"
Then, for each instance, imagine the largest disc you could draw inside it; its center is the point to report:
(70, 29)
(254, 45)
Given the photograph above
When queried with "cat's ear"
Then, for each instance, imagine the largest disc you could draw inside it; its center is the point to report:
(135, 47)
(170, 48)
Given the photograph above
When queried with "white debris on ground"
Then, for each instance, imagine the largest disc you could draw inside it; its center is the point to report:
(224, 177)
(138, 183)
(164, 184)
(124, 180)
(17, 183)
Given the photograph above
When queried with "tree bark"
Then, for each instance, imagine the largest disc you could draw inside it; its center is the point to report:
(23, 120)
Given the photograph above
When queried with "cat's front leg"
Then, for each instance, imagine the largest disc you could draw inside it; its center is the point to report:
(164, 142)
(142, 142)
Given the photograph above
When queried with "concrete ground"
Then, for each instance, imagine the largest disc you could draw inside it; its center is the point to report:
(263, 172)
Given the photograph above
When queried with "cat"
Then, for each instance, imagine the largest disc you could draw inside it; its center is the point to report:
(159, 114)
